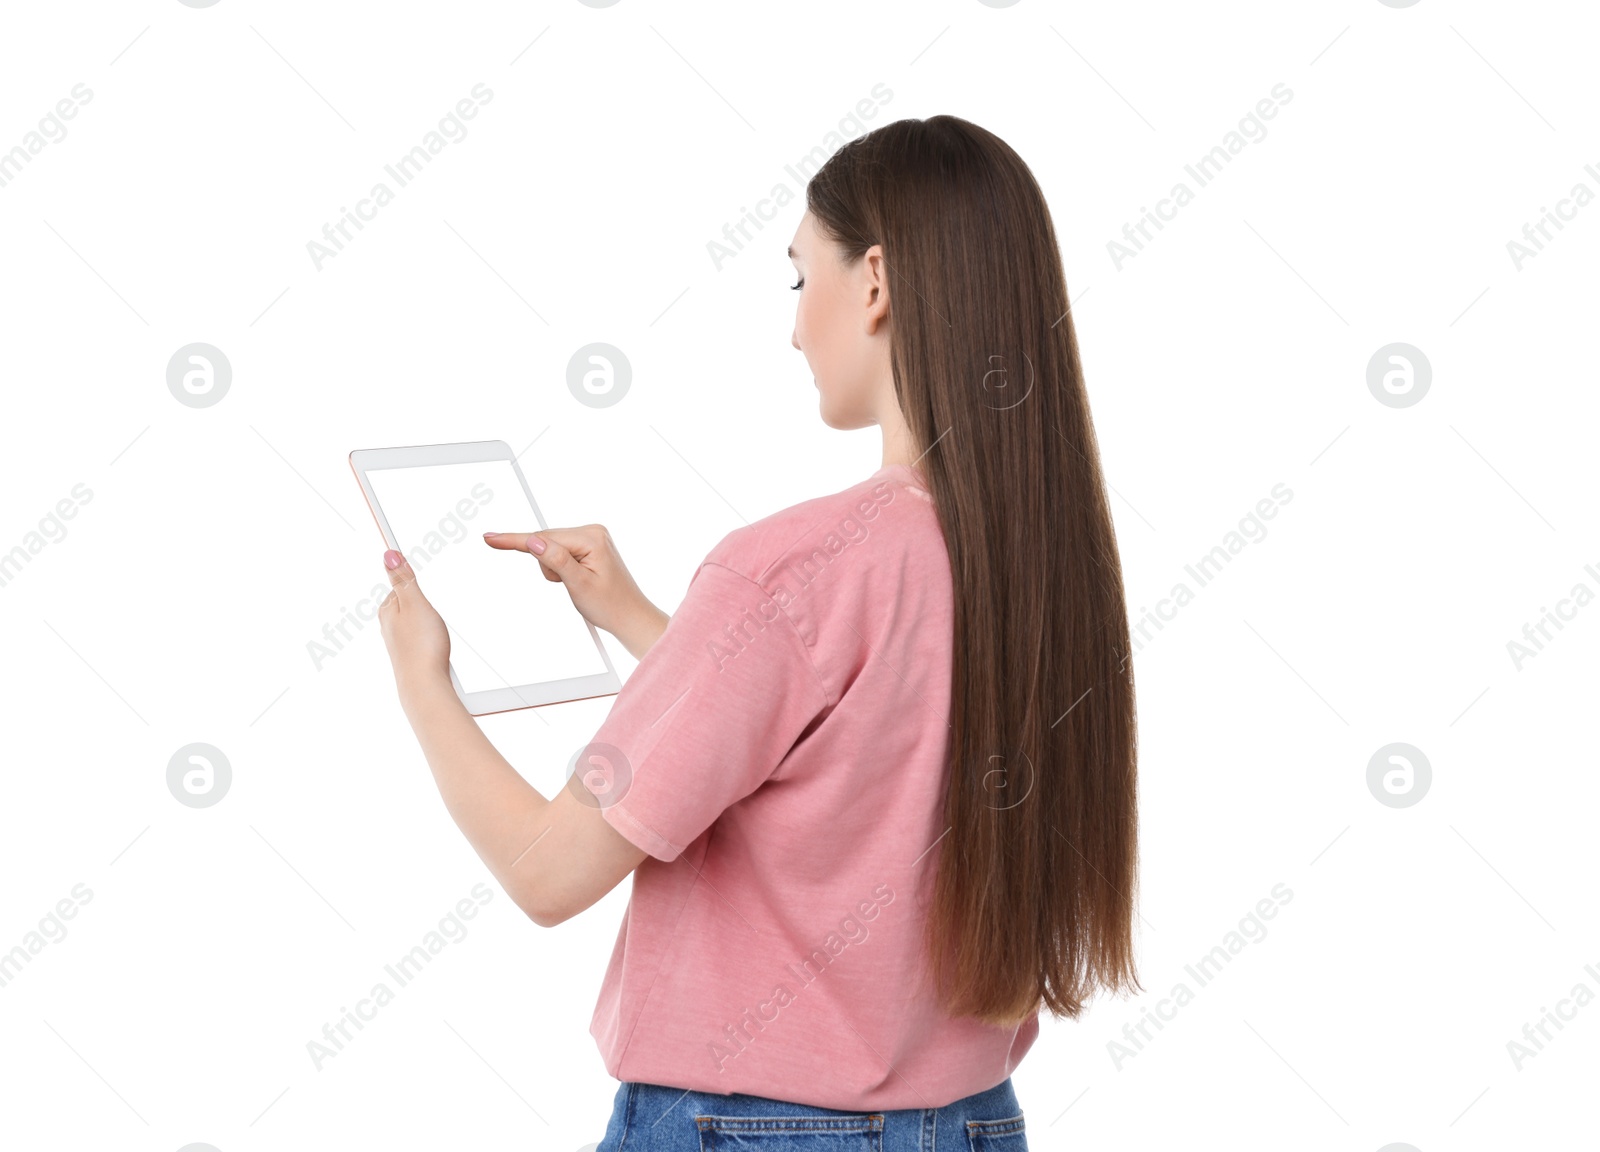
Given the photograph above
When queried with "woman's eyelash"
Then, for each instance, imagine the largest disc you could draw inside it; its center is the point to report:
(798, 284)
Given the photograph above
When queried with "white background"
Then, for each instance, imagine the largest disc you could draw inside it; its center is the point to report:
(1227, 357)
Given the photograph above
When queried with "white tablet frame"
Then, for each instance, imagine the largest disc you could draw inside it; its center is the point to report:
(491, 700)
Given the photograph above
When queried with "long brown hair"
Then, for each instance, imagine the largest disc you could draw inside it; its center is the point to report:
(1033, 901)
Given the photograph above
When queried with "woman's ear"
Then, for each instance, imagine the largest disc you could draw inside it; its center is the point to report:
(876, 272)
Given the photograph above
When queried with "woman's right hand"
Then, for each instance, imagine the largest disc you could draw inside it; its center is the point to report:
(601, 587)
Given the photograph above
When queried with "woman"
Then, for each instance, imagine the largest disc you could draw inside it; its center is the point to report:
(877, 818)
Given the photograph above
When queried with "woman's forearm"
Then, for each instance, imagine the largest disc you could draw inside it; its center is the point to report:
(499, 812)
(643, 630)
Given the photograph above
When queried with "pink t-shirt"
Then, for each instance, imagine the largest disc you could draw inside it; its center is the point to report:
(784, 743)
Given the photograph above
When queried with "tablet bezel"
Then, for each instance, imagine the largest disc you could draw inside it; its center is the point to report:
(489, 700)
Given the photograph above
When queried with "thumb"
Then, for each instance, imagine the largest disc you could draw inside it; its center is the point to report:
(521, 542)
(556, 559)
(402, 578)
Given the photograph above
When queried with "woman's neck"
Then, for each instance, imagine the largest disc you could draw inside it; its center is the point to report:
(898, 447)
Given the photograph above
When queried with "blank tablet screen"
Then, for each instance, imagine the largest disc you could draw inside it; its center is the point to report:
(509, 626)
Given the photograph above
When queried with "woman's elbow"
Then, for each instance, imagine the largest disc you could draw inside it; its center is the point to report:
(546, 909)
(538, 906)
(547, 919)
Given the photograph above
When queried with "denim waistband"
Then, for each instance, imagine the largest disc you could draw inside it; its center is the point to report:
(658, 1118)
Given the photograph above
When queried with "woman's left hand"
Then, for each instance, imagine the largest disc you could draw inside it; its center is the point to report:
(418, 642)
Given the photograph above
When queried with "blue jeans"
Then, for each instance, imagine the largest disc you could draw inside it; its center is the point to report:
(654, 1118)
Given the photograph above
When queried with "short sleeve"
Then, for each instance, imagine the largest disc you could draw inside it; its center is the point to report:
(712, 709)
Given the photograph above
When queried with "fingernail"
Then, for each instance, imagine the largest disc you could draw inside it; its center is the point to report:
(486, 535)
(391, 559)
(535, 545)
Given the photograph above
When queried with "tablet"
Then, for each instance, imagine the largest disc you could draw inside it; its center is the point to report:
(516, 641)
